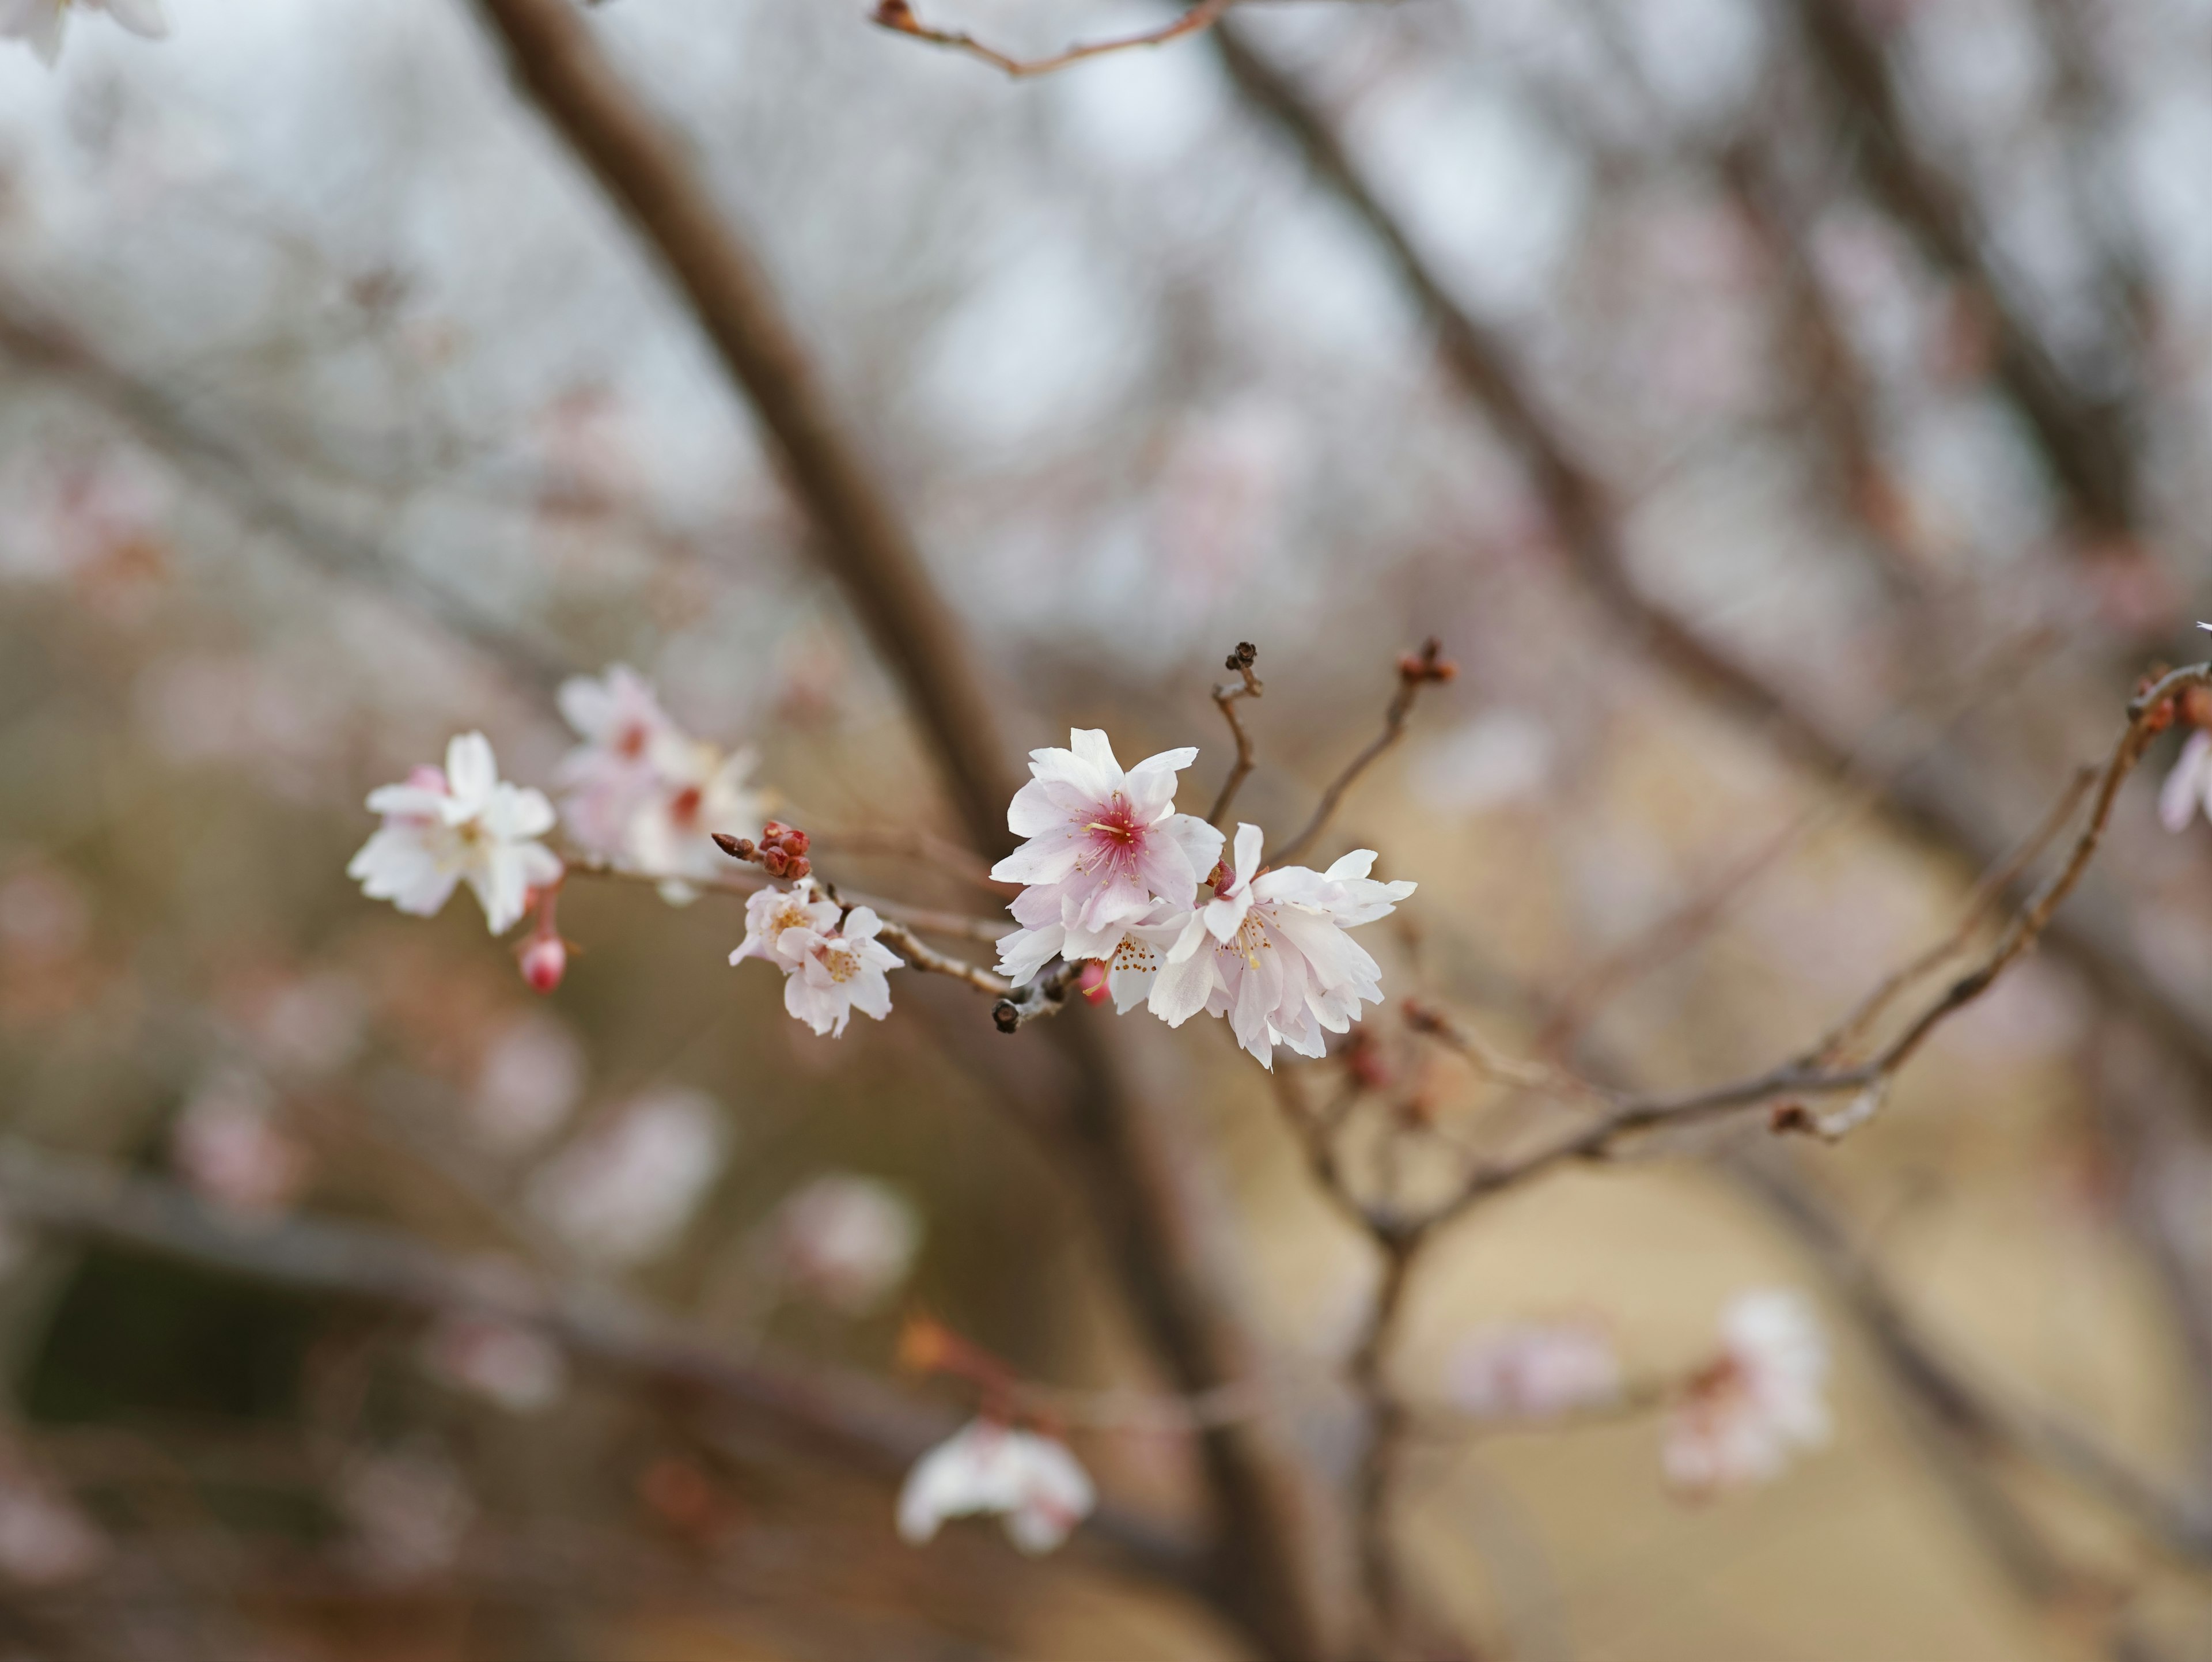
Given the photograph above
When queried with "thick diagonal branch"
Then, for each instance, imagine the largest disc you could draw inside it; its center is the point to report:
(1132, 1172)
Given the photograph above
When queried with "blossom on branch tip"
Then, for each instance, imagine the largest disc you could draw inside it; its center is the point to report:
(460, 824)
(641, 792)
(1104, 848)
(1032, 1482)
(1762, 1398)
(41, 22)
(831, 968)
(1269, 951)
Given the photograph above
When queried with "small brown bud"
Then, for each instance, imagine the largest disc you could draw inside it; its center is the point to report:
(738, 848)
(1792, 1118)
(799, 866)
(794, 842)
(776, 861)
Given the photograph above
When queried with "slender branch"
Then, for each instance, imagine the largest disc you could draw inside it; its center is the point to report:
(1224, 699)
(897, 16)
(1415, 671)
(1806, 1075)
(737, 881)
(922, 848)
(1986, 895)
(922, 958)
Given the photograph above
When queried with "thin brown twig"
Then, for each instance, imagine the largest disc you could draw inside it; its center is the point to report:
(1806, 1075)
(1247, 685)
(922, 958)
(1985, 898)
(747, 882)
(897, 16)
(921, 847)
(1415, 671)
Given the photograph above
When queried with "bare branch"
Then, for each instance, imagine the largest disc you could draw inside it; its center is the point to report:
(1807, 1075)
(1044, 997)
(1224, 697)
(897, 16)
(1415, 671)
(746, 882)
(922, 958)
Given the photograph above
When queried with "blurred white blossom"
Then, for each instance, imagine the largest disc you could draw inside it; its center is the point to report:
(41, 22)
(1534, 1370)
(1764, 1398)
(463, 823)
(2188, 788)
(846, 1240)
(530, 1080)
(227, 1145)
(625, 1190)
(45, 1538)
(514, 1367)
(1032, 1482)
(643, 793)
(409, 1511)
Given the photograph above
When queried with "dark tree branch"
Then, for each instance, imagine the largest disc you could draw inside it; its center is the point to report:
(1415, 671)
(1125, 1153)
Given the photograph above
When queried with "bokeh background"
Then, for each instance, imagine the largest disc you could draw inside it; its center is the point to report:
(1841, 465)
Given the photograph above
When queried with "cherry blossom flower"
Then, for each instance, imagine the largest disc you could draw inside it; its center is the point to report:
(640, 791)
(1031, 1481)
(1269, 951)
(514, 1366)
(625, 1191)
(41, 22)
(1104, 848)
(1761, 1399)
(463, 823)
(848, 1241)
(2188, 788)
(529, 1081)
(830, 968)
(228, 1146)
(46, 1540)
(1536, 1371)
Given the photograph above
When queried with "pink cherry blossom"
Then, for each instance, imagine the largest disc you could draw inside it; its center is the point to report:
(1104, 849)
(1033, 1481)
(1761, 1399)
(41, 22)
(1269, 951)
(1536, 1371)
(460, 824)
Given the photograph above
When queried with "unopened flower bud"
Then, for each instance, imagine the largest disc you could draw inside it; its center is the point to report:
(738, 848)
(795, 841)
(797, 868)
(774, 831)
(545, 961)
(775, 859)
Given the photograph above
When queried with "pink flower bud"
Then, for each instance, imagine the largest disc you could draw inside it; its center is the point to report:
(794, 842)
(776, 861)
(799, 868)
(545, 961)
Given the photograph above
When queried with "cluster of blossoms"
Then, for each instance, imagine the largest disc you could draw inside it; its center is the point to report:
(1112, 872)
(638, 793)
(41, 22)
